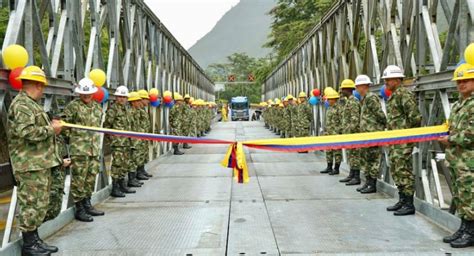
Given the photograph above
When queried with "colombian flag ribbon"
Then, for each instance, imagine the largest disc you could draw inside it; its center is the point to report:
(235, 156)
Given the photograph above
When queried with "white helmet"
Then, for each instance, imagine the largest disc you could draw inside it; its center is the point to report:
(362, 79)
(392, 71)
(121, 91)
(86, 87)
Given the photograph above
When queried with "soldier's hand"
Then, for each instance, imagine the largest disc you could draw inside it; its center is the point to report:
(57, 126)
(443, 140)
(66, 162)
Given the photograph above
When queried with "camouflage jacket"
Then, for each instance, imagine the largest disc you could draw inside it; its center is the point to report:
(83, 143)
(304, 114)
(176, 120)
(402, 110)
(31, 139)
(351, 115)
(372, 117)
(136, 125)
(118, 117)
(144, 120)
(333, 120)
(460, 153)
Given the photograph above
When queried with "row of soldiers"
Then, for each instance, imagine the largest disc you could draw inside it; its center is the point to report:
(289, 117)
(41, 148)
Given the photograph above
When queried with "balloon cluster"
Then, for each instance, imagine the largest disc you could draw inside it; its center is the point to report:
(15, 58)
(356, 95)
(98, 77)
(385, 93)
(314, 99)
(154, 99)
(167, 99)
(101, 96)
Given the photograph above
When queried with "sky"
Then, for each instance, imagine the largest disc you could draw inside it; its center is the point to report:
(189, 20)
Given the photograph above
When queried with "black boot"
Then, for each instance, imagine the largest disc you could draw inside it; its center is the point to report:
(399, 204)
(457, 234)
(348, 178)
(328, 168)
(371, 186)
(278, 132)
(408, 208)
(176, 149)
(90, 209)
(186, 146)
(116, 189)
(31, 245)
(124, 188)
(335, 171)
(81, 214)
(467, 238)
(132, 181)
(140, 173)
(282, 136)
(367, 178)
(44, 245)
(146, 173)
(355, 180)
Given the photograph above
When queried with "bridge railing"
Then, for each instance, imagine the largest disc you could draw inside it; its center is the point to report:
(425, 38)
(68, 39)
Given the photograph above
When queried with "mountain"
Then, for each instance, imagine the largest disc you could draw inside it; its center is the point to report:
(244, 28)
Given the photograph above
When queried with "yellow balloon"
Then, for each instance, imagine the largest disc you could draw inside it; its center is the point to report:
(167, 93)
(469, 54)
(98, 77)
(154, 91)
(15, 56)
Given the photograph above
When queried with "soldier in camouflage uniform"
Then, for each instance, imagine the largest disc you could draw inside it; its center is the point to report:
(304, 117)
(332, 127)
(176, 121)
(33, 152)
(285, 122)
(402, 113)
(84, 148)
(350, 125)
(145, 121)
(289, 114)
(460, 156)
(187, 121)
(118, 117)
(139, 147)
(372, 119)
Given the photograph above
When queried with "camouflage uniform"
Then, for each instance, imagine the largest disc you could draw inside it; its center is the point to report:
(460, 156)
(350, 124)
(304, 118)
(145, 127)
(193, 122)
(33, 152)
(119, 117)
(403, 113)
(372, 119)
(333, 115)
(84, 147)
(176, 119)
(138, 157)
(57, 183)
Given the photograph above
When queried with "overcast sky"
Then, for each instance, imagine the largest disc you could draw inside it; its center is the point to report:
(189, 20)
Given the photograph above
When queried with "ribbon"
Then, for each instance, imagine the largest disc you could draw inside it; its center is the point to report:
(235, 156)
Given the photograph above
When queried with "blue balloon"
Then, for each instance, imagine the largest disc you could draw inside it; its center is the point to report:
(326, 104)
(170, 105)
(313, 100)
(382, 93)
(356, 94)
(462, 61)
(155, 103)
(106, 95)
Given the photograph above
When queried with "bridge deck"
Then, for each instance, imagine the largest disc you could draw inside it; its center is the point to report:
(192, 207)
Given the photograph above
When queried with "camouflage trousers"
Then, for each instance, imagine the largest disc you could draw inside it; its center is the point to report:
(140, 155)
(463, 192)
(334, 154)
(33, 198)
(401, 168)
(84, 170)
(303, 132)
(120, 162)
(353, 156)
(56, 192)
(370, 161)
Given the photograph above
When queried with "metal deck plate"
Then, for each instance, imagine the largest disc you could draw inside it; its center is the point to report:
(191, 170)
(283, 157)
(196, 158)
(287, 169)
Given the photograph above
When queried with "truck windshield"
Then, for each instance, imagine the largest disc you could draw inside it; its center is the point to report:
(239, 106)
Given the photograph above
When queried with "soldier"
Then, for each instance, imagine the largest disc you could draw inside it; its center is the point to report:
(84, 148)
(145, 121)
(332, 128)
(176, 121)
(33, 152)
(402, 113)
(460, 156)
(291, 114)
(350, 124)
(372, 119)
(187, 115)
(304, 118)
(136, 149)
(285, 122)
(118, 117)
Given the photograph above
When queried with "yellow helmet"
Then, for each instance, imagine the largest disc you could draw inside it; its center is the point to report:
(277, 101)
(187, 96)
(33, 73)
(290, 97)
(285, 99)
(463, 72)
(330, 93)
(347, 84)
(178, 96)
(143, 94)
(280, 105)
(302, 95)
(133, 96)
